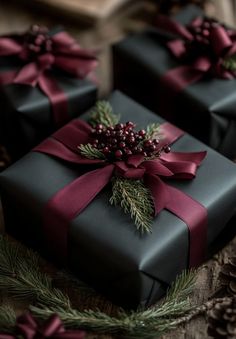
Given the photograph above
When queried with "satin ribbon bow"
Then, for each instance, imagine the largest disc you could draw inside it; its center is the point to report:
(28, 328)
(73, 198)
(63, 53)
(202, 49)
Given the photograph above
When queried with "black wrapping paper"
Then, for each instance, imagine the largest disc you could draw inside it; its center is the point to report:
(26, 114)
(206, 109)
(105, 249)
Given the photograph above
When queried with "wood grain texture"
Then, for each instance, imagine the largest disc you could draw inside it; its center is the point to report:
(17, 18)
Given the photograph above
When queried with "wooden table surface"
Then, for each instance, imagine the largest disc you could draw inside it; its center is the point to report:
(18, 18)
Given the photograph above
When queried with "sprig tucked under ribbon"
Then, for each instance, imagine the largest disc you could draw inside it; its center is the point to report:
(113, 141)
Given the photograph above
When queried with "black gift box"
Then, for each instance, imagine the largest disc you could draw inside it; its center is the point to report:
(206, 109)
(26, 114)
(104, 248)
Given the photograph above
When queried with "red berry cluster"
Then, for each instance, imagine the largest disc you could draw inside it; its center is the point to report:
(38, 41)
(121, 141)
(201, 29)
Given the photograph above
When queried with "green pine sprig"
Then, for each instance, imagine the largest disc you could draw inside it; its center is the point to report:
(152, 131)
(7, 319)
(135, 199)
(230, 63)
(103, 114)
(21, 278)
(90, 152)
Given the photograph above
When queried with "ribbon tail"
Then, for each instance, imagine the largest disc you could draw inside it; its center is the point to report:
(66, 204)
(159, 192)
(57, 98)
(195, 216)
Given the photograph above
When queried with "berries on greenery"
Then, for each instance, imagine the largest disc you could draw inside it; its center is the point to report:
(121, 141)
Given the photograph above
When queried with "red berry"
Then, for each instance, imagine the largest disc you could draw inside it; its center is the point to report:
(167, 149)
(119, 126)
(156, 141)
(128, 151)
(131, 140)
(130, 124)
(114, 141)
(122, 144)
(152, 147)
(147, 143)
(99, 126)
(106, 150)
(142, 132)
(118, 154)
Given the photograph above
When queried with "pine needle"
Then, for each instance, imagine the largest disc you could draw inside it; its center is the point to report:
(135, 199)
(103, 114)
(7, 318)
(89, 152)
(230, 63)
(152, 131)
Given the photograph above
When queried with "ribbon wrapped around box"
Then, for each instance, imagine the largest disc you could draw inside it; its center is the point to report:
(46, 80)
(102, 246)
(189, 59)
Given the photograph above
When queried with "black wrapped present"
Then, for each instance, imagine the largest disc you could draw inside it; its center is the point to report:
(103, 247)
(46, 80)
(185, 82)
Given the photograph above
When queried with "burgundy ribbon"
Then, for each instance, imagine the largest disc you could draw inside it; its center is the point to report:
(65, 54)
(205, 58)
(28, 328)
(70, 201)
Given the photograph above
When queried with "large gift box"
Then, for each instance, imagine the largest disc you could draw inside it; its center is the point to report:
(46, 79)
(57, 201)
(171, 69)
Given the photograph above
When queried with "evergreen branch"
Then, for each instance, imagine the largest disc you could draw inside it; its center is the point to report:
(152, 131)
(89, 152)
(230, 63)
(21, 278)
(25, 279)
(182, 287)
(103, 114)
(7, 319)
(135, 199)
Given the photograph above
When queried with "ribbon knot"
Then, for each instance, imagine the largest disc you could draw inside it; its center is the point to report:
(203, 44)
(59, 51)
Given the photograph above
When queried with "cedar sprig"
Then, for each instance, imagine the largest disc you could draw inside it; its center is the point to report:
(135, 198)
(90, 152)
(22, 266)
(230, 63)
(103, 114)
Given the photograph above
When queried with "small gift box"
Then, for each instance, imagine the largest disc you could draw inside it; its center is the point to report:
(46, 79)
(60, 200)
(184, 69)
